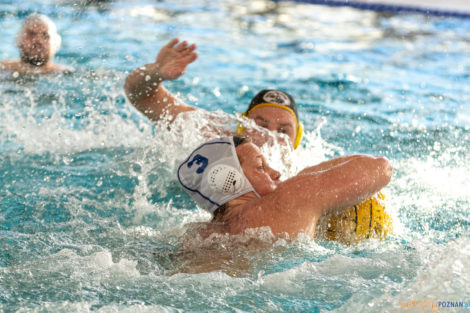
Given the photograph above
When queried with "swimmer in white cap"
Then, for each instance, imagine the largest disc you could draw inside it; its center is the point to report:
(38, 42)
(229, 178)
(274, 110)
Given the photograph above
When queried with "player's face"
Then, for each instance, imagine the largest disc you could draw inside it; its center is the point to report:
(274, 119)
(35, 44)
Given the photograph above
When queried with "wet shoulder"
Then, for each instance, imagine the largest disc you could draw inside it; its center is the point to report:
(10, 65)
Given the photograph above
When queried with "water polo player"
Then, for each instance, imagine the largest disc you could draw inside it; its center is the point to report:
(229, 178)
(38, 42)
(271, 109)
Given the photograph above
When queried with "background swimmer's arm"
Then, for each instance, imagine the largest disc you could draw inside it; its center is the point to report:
(144, 87)
(327, 164)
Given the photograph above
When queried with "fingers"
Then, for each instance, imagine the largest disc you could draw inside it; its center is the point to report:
(192, 47)
(182, 46)
(191, 57)
(175, 50)
(172, 43)
(188, 53)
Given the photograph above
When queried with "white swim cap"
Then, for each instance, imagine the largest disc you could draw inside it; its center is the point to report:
(54, 40)
(212, 174)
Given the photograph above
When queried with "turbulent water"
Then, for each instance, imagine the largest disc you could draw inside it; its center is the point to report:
(92, 216)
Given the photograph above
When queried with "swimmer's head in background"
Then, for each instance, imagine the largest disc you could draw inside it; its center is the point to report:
(278, 99)
(29, 27)
(212, 174)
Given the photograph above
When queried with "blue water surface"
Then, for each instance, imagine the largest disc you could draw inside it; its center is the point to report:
(91, 214)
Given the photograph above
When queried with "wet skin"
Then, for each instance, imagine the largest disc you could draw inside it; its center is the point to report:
(262, 177)
(274, 119)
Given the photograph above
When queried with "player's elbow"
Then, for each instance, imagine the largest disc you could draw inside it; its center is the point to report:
(384, 170)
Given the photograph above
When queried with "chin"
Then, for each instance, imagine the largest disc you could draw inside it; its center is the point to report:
(265, 191)
(35, 60)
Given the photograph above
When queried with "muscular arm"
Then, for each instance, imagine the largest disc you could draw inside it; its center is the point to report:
(297, 204)
(144, 87)
(328, 164)
(339, 186)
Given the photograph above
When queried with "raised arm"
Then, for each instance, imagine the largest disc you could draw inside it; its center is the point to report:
(144, 87)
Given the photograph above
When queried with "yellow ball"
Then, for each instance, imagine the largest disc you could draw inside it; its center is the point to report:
(358, 222)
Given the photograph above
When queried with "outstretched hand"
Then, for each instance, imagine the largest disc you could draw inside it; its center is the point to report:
(174, 57)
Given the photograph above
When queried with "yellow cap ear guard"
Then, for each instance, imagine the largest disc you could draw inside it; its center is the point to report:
(299, 135)
(240, 129)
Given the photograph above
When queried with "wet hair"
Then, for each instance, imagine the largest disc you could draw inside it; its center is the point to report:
(238, 140)
(55, 40)
(219, 212)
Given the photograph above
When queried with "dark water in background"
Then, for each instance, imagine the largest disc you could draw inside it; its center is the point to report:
(91, 213)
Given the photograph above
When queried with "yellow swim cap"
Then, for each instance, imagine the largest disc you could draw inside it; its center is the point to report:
(278, 99)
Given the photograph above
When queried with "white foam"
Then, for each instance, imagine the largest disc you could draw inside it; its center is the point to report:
(444, 275)
(103, 260)
(59, 307)
(56, 134)
(138, 308)
(432, 185)
(336, 267)
(85, 307)
(101, 264)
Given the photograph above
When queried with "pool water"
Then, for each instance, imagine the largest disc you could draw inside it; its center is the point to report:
(92, 216)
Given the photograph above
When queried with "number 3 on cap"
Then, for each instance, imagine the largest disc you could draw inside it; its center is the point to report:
(199, 159)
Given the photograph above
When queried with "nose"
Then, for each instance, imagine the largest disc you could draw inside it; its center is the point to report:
(272, 127)
(40, 40)
(36, 42)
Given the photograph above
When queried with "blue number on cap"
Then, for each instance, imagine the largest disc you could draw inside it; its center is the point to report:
(199, 159)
